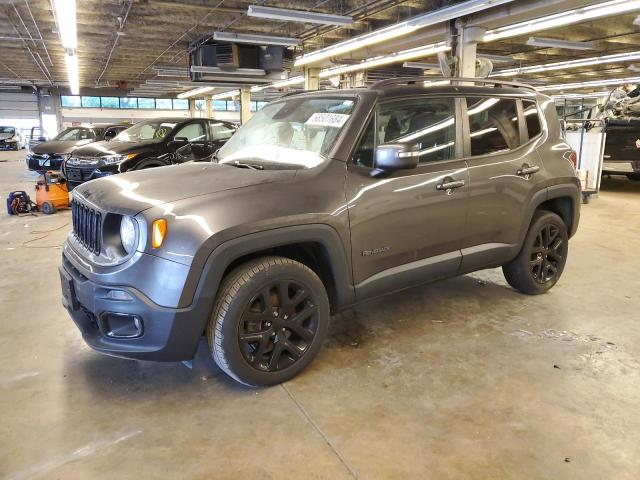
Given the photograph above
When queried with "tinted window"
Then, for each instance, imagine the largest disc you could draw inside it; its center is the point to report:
(531, 117)
(429, 122)
(110, 102)
(70, 101)
(194, 132)
(363, 155)
(128, 102)
(220, 131)
(163, 103)
(493, 124)
(148, 103)
(91, 102)
(180, 104)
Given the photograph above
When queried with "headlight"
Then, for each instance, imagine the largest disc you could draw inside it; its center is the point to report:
(118, 158)
(128, 233)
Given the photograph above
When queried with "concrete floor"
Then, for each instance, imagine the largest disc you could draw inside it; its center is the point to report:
(461, 379)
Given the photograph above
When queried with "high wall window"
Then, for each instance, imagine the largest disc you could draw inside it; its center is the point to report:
(149, 103)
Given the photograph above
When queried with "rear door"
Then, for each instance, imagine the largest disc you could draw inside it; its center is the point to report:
(405, 228)
(504, 168)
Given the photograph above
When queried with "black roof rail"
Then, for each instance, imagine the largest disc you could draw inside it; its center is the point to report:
(423, 78)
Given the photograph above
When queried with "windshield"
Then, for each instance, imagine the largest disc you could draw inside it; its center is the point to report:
(291, 133)
(7, 130)
(149, 131)
(75, 134)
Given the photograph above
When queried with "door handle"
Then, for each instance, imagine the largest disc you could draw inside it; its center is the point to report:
(449, 185)
(526, 171)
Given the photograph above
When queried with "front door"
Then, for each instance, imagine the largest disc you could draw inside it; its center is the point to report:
(405, 226)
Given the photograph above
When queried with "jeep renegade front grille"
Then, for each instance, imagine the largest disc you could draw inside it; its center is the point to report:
(87, 226)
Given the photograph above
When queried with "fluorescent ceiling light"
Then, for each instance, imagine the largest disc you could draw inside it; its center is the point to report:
(595, 83)
(298, 15)
(223, 95)
(280, 84)
(422, 65)
(195, 91)
(386, 59)
(369, 63)
(568, 17)
(555, 43)
(255, 39)
(399, 29)
(583, 62)
(496, 58)
(71, 61)
(66, 18)
(581, 95)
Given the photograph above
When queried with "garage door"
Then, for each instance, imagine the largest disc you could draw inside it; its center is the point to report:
(19, 110)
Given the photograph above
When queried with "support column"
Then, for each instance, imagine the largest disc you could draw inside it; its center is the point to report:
(207, 107)
(245, 104)
(192, 108)
(468, 38)
(312, 78)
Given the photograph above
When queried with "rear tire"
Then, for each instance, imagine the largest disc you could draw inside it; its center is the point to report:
(269, 320)
(542, 258)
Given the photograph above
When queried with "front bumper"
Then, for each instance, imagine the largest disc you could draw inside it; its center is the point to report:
(77, 174)
(41, 162)
(168, 334)
(4, 145)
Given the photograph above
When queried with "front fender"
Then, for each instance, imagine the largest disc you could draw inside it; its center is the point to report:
(202, 285)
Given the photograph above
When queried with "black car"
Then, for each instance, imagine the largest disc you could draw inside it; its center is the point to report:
(152, 143)
(50, 155)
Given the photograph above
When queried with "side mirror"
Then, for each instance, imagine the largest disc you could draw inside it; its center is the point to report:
(397, 156)
(177, 143)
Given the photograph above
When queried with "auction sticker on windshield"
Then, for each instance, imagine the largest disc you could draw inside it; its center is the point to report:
(325, 119)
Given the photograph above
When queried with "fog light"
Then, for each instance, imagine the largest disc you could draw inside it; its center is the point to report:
(122, 325)
(120, 295)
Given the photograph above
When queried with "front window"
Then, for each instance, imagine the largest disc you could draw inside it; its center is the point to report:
(290, 133)
(10, 130)
(75, 134)
(151, 131)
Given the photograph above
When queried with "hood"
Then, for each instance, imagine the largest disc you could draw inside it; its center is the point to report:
(104, 148)
(132, 192)
(56, 146)
(4, 136)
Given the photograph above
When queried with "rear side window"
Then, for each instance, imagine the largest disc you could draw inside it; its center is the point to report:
(493, 125)
(429, 122)
(532, 118)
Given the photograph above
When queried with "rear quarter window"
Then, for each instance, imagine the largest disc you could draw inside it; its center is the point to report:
(532, 118)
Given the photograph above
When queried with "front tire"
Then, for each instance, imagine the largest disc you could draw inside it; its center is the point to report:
(541, 260)
(269, 320)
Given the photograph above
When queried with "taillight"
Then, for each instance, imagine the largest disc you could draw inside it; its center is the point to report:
(574, 158)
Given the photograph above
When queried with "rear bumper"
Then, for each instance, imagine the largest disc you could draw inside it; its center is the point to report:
(167, 334)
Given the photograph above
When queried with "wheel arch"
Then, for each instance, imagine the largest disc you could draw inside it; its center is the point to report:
(317, 246)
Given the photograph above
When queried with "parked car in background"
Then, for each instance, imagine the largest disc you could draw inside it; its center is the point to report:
(11, 139)
(621, 154)
(152, 143)
(37, 135)
(321, 200)
(50, 155)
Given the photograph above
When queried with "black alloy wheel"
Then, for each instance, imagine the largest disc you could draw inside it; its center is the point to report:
(547, 253)
(278, 326)
(542, 257)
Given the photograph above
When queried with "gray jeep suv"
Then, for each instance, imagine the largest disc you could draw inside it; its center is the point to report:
(322, 200)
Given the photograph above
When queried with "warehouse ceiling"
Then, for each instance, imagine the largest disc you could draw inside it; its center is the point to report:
(129, 40)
